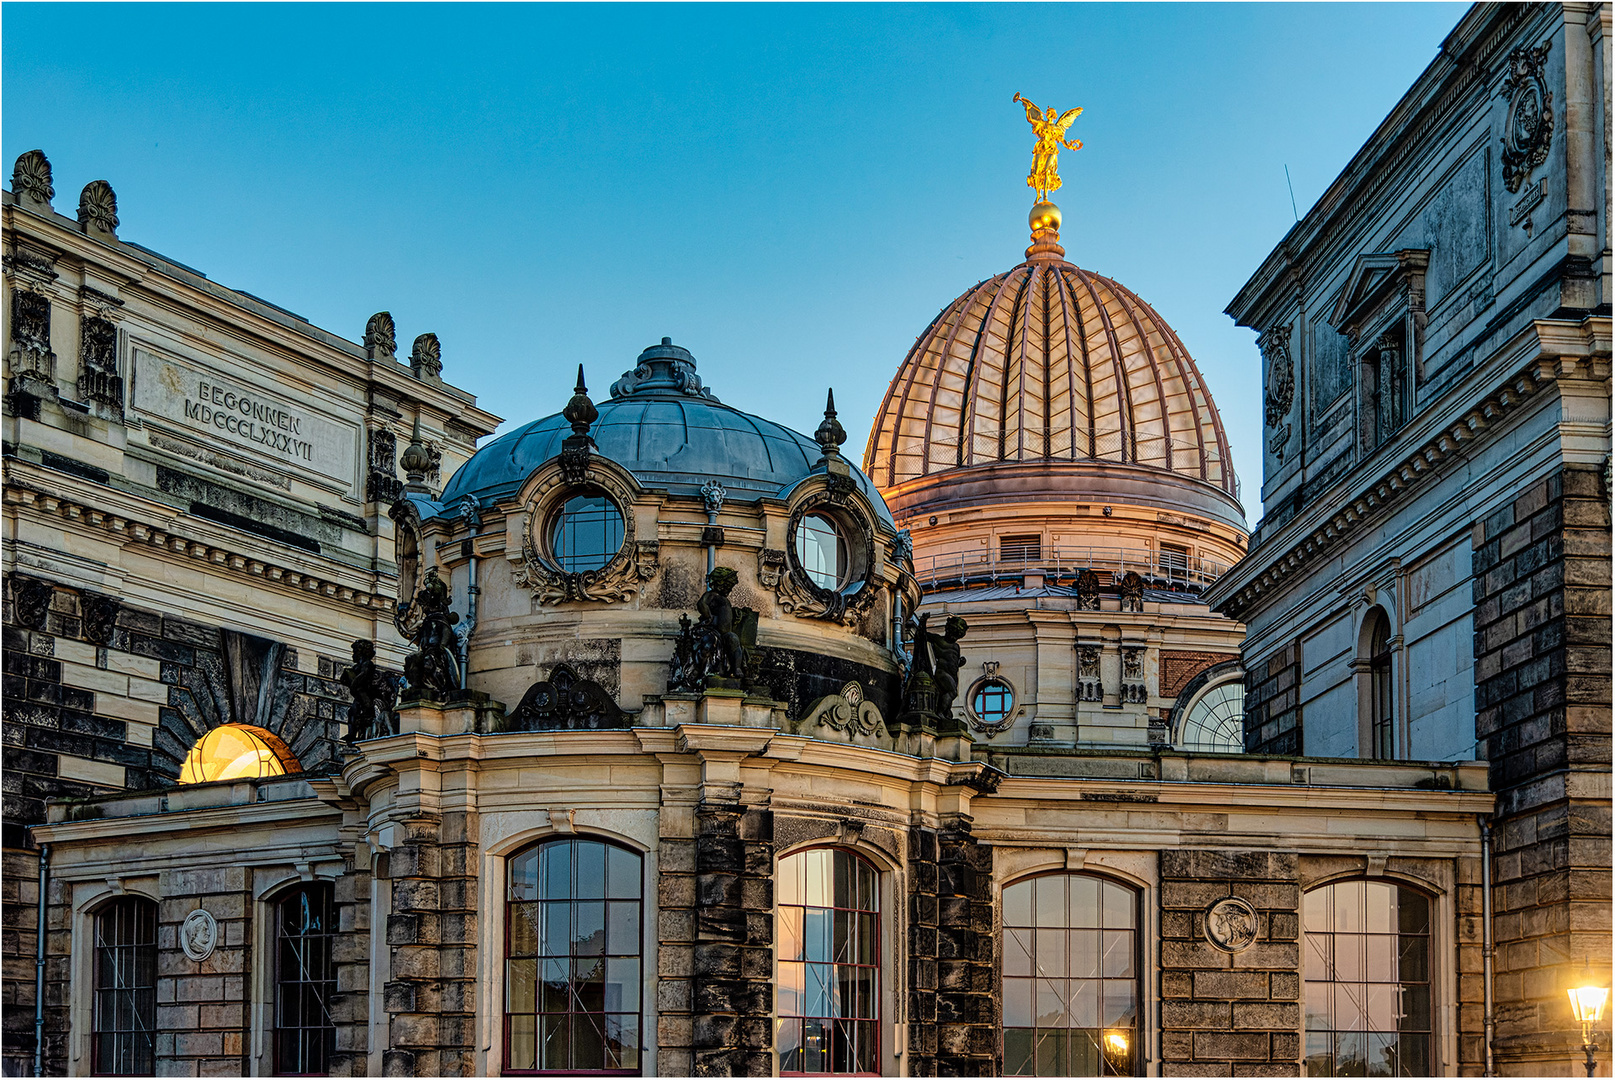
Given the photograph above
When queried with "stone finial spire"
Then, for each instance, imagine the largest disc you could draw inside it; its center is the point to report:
(416, 461)
(577, 447)
(31, 180)
(98, 210)
(831, 434)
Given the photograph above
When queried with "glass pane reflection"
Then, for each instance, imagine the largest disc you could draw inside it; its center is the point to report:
(587, 533)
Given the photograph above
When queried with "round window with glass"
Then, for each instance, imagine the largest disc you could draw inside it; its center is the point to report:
(822, 552)
(993, 701)
(587, 532)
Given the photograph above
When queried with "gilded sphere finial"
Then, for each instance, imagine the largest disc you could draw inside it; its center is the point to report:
(1044, 216)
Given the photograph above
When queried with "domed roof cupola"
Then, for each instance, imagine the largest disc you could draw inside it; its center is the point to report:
(663, 425)
(1052, 380)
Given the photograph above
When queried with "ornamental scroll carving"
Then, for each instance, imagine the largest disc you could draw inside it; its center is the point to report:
(1528, 128)
(380, 336)
(798, 595)
(636, 561)
(1280, 393)
(848, 713)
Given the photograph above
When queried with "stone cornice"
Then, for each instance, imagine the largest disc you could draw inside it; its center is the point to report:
(1565, 351)
(38, 494)
(170, 285)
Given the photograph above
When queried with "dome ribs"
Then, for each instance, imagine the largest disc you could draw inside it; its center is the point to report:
(1197, 394)
(975, 297)
(915, 364)
(1066, 311)
(1128, 301)
(1128, 449)
(980, 360)
(1022, 315)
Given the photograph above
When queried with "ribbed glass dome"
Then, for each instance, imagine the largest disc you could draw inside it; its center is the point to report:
(1048, 363)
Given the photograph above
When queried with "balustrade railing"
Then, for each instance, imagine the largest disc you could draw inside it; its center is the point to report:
(1060, 566)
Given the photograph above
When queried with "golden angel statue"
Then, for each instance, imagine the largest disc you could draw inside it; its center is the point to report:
(1050, 130)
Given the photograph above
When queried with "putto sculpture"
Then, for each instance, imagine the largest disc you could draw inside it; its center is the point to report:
(717, 649)
(1050, 130)
(933, 680)
(373, 712)
(432, 671)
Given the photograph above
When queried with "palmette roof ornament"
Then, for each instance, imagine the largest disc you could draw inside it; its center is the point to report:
(380, 336)
(98, 208)
(31, 178)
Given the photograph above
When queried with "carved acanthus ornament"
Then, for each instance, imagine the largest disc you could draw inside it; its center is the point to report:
(380, 336)
(31, 178)
(426, 358)
(1528, 129)
(98, 209)
(1279, 396)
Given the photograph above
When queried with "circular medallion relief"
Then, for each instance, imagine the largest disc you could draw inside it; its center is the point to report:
(198, 935)
(1231, 924)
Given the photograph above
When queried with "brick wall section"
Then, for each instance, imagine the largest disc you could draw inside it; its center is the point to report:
(953, 979)
(1179, 667)
(1542, 699)
(203, 1011)
(732, 986)
(1230, 1014)
(1273, 704)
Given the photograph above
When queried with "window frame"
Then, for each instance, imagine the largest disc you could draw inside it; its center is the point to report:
(557, 515)
(1144, 1025)
(499, 989)
(1441, 968)
(885, 930)
(274, 905)
(143, 905)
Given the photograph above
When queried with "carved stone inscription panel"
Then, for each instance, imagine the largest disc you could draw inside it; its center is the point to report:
(230, 415)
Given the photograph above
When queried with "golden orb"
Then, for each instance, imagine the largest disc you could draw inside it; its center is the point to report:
(1045, 215)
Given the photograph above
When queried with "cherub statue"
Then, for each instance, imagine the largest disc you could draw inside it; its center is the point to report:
(375, 694)
(729, 657)
(1050, 130)
(433, 669)
(938, 656)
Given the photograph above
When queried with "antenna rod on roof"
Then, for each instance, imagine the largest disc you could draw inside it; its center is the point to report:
(1287, 180)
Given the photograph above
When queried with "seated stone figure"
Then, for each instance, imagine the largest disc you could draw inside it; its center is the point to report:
(375, 694)
(718, 644)
(933, 681)
(433, 669)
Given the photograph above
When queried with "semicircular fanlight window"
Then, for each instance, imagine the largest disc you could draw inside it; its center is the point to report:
(1216, 721)
(237, 752)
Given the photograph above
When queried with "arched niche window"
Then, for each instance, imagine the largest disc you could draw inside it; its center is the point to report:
(828, 948)
(572, 958)
(125, 1007)
(587, 532)
(1381, 726)
(1366, 962)
(1071, 977)
(237, 752)
(305, 980)
(1215, 720)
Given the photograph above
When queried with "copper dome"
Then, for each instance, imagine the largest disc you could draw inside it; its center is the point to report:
(1050, 365)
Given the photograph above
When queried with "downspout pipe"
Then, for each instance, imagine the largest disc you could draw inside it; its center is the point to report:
(39, 963)
(1487, 949)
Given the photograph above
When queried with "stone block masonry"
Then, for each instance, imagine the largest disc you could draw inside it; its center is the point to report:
(1542, 699)
(953, 997)
(1222, 1013)
(1273, 704)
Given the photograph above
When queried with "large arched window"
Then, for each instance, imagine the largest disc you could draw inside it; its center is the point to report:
(1366, 960)
(305, 980)
(125, 1007)
(1070, 978)
(1215, 721)
(828, 942)
(237, 752)
(572, 958)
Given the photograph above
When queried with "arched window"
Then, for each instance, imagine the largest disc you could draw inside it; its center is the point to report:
(1381, 738)
(305, 980)
(828, 946)
(237, 752)
(1215, 720)
(572, 958)
(125, 1008)
(1070, 979)
(1366, 960)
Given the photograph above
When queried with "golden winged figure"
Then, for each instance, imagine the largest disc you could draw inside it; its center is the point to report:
(1050, 129)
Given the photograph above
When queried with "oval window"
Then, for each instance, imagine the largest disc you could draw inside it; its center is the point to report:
(993, 701)
(587, 534)
(821, 551)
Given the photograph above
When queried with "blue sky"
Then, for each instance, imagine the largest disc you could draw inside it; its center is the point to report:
(792, 192)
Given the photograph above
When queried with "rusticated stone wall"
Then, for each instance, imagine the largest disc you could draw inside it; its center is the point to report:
(1273, 704)
(1542, 700)
(953, 980)
(432, 937)
(1230, 1014)
(733, 987)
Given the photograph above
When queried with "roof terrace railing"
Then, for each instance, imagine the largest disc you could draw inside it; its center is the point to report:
(1060, 565)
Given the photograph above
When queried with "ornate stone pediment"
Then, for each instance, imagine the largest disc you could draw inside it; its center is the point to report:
(1376, 281)
(567, 702)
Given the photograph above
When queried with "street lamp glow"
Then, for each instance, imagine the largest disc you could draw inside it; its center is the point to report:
(1587, 1002)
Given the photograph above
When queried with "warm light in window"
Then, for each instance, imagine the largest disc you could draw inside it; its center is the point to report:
(236, 752)
(1116, 1042)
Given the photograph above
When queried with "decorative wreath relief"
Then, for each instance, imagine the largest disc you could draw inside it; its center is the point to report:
(198, 935)
(1231, 924)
